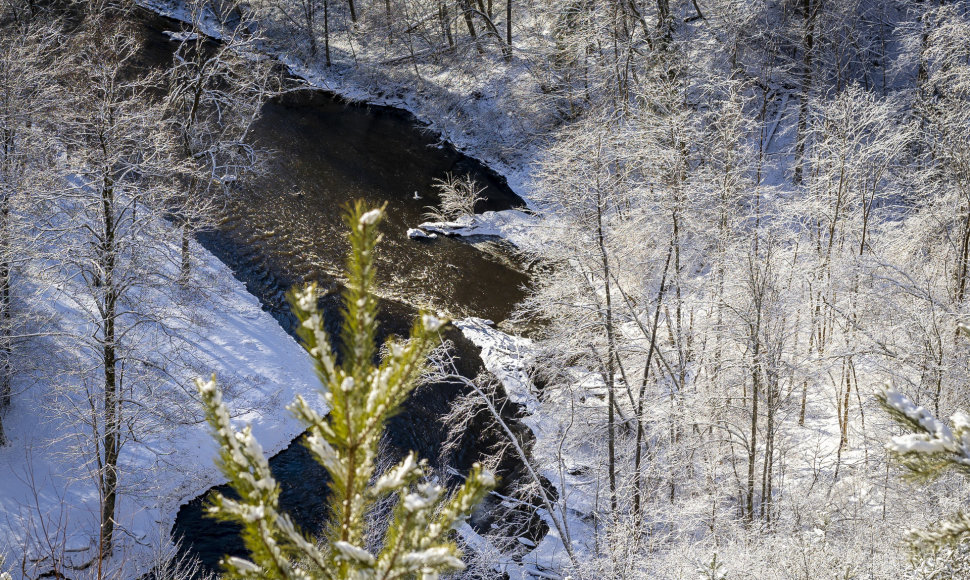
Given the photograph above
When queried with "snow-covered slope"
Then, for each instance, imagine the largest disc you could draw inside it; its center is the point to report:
(49, 502)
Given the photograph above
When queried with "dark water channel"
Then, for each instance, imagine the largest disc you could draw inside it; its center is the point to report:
(327, 153)
(285, 228)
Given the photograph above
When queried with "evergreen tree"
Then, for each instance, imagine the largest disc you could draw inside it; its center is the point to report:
(361, 396)
(930, 449)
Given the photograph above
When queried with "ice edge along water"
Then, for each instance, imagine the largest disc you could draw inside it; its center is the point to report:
(506, 357)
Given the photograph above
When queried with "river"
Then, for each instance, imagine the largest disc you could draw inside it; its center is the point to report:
(284, 228)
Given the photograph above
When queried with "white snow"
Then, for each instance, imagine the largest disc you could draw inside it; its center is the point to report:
(816, 445)
(516, 226)
(507, 357)
(418, 234)
(370, 218)
(504, 355)
(261, 368)
(180, 36)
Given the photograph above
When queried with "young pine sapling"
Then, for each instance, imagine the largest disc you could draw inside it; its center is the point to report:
(361, 396)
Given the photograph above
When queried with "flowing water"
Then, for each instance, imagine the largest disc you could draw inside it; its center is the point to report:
(286, 228)
(326, 154)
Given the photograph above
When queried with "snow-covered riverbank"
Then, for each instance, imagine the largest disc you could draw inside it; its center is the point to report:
(48, 496)
(507, 357)
(49, 500)
(469, 110)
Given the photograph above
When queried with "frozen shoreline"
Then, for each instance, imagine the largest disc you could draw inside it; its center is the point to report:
(262, 369)
(346, 86)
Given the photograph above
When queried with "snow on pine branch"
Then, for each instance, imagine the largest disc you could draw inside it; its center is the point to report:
(932, 445)
(927, 452)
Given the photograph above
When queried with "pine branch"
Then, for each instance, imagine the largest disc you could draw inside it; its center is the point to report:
(931, 447)
(927, 452)
(362, 396)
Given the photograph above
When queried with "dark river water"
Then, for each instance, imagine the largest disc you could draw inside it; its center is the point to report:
(327, 153)
(285, 228)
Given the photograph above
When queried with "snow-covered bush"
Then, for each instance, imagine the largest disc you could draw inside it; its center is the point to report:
(171, 562)
(458, 197)
(361, 396)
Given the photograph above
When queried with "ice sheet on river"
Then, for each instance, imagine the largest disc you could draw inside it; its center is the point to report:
(515, 226)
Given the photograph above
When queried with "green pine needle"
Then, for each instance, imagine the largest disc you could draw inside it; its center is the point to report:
(362, 396)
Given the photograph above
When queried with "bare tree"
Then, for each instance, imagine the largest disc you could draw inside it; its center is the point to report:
(458, 198)
(214, 95)
(109, 220)
(25, 154)
(303, 15)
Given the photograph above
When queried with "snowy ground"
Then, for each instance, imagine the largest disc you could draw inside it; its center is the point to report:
(49, 501)
(49, 504)
(506, 357)
(433, 101)
(239, 336)
(516, 226)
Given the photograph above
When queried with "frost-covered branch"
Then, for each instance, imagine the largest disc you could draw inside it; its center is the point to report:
(932, 446)
(927, 452)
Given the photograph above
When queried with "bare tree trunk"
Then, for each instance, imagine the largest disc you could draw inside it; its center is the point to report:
(638, 459)
(506, 49)
(444, 18)
(801, 412)
(769, 451)
(508, 24)
(808, 45)
(112, 418)
(752, 444)
(962, 266)
(109, 477)
(5, 302)
(844, 439)
(468, 20)
(471, 25)
(5, 319)
(353, 11)
(388, 18)
(186, 268)
(6, 350)
(665, 24)
(755, 394)
(309, 15)
(326, 31)
(611, 356)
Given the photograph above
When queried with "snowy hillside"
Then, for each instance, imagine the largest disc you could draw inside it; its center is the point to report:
(47, 493)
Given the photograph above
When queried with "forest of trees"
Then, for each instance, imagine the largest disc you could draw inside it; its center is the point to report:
(754, 217)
